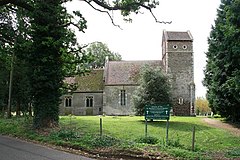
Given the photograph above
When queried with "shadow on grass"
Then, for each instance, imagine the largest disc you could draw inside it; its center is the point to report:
(235, 125)
(181, 126)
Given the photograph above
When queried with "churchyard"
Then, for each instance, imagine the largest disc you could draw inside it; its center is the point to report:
(124, 136)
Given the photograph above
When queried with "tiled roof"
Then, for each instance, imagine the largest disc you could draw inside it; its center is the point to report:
(92, 81)
(174, 36)
(126, 72)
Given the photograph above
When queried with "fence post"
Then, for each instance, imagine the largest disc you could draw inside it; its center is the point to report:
(193, 139)
(167, 132)
(146, 128)
(101, 126)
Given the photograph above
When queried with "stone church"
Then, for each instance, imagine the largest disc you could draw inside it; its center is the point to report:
(109, 90)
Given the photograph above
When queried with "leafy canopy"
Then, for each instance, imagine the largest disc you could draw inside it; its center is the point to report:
(202, 106)
(99, 52)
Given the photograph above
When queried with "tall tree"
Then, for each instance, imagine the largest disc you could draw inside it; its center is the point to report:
(222, 70)
(14, 39)
(154, 88)
(100, 52)
(7, 39)
(46, 81)
(4, 78)
(52, 40)
(202, 106)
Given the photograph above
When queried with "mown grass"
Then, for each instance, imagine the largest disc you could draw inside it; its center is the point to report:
(129, 133)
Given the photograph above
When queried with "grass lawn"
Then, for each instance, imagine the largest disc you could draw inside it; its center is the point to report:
(128, 133)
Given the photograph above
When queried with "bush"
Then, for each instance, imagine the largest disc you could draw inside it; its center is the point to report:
(154, 88)
(174, 143)
(104, 141)
(234, 153)
(148, 140)
(64, 134)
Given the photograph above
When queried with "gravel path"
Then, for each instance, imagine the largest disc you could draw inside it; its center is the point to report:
(218, 124)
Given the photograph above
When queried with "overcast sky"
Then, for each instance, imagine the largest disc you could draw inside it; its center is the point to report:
(141, 39)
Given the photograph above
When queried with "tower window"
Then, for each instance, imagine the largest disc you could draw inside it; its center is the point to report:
(89, 101)
(180, 101)
(175, 47)
(68, 101)
(184, 47)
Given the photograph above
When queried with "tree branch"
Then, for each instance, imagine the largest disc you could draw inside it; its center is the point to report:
(128, 7)
(19, 3)
(111, 18)
(71, 23)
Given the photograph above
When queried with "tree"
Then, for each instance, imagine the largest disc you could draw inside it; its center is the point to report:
(100, 51)
(4, 79)
(7, 38)
(202, 106)
(154, 88)
(50, 42)
(14, 40)
(223, 69)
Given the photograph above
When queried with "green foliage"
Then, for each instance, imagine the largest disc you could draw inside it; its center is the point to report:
(222, 71)
(148, 140)
(64, 134)
(234, 153)
(181, 153)
(4, 78)
(14, 48)
(37, 32)
(99, 52)
(202, 106)
(175, 142)
(104, 141)
(121, 132)
(154, 89)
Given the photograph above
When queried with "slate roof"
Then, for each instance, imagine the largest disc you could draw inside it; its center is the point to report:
(176, 36)
(126, 72)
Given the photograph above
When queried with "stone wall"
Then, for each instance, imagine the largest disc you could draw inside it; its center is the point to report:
(78, 106)
(111, 100)
(180, 67)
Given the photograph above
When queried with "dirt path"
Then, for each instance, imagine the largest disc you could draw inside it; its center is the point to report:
(218, 124)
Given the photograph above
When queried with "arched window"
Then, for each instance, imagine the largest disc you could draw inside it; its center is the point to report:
(89, 101)
(68, 101)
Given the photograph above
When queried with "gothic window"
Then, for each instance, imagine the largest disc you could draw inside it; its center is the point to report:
(68, 101)
(123, 97)
(89, 101)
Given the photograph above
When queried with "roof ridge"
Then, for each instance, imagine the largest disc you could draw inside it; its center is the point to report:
(134, 61)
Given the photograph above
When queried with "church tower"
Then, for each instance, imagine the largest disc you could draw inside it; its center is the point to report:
(177, 58)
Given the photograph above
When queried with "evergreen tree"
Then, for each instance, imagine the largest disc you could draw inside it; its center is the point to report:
(154, 88)
(222, 70)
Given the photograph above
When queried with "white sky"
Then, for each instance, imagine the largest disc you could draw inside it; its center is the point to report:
(141, 39)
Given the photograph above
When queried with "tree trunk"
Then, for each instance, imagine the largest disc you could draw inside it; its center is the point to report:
(9, 110)
(18, 108)
(46, 62)
(30, 109)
